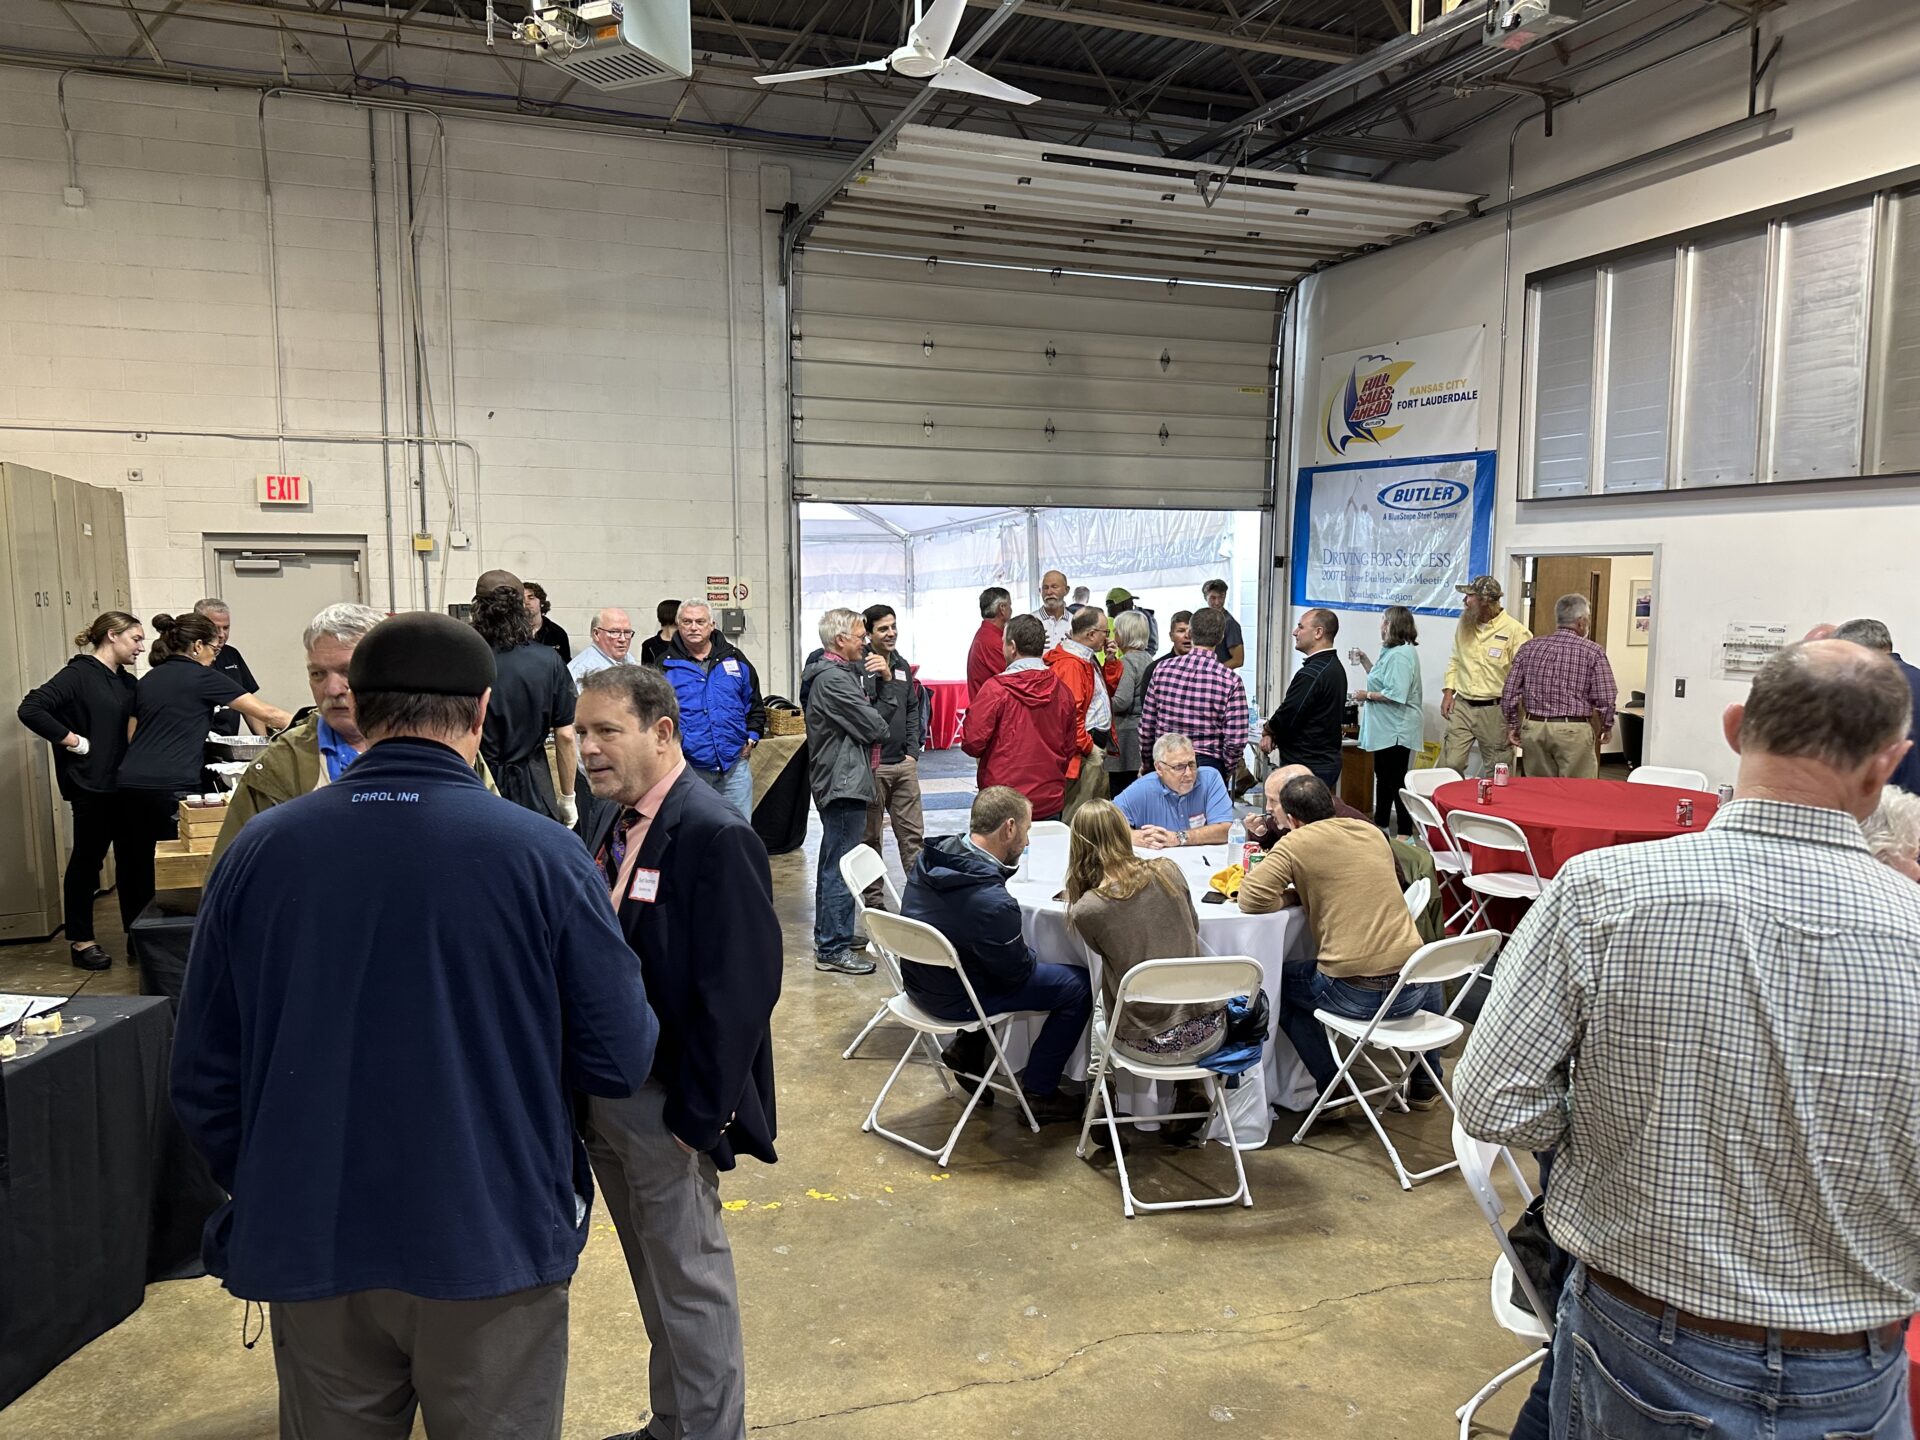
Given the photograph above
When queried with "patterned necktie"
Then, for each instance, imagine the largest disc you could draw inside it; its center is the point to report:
(617, 851)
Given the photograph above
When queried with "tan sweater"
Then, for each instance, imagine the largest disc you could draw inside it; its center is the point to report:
(1342, 872)
(1152, 925)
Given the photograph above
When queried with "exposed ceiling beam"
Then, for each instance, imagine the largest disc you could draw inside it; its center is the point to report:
(1133, 22)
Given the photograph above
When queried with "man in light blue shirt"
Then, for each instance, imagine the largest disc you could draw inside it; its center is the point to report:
(612, 634)
(1182, 803)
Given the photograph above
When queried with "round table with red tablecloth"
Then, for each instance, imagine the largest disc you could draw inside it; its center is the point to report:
(1565, 818)
(946, 712)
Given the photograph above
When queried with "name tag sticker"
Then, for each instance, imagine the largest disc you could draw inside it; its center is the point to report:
(1194, 822)
(646, 886)
(901, 676)
(1494, 652)
(732, 667)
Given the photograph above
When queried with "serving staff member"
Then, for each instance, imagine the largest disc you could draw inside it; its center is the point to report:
(532, 698)
(172, 711)
(83, 712)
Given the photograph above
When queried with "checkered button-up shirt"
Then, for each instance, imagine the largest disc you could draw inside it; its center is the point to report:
(1196, 696)
(1560, 675)
(1721, 1035)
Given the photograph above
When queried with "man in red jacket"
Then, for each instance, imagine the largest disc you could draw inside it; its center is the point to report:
(1075, 660)
(987, 655)
(1020, 725)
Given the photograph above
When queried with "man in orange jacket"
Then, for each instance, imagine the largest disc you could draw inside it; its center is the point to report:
(1090, 682)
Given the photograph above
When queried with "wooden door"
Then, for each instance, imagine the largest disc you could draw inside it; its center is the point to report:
(1557, 575)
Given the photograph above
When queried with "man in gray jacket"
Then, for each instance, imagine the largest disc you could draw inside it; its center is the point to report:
(849, 712)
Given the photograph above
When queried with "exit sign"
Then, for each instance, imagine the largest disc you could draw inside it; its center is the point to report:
(284, 490)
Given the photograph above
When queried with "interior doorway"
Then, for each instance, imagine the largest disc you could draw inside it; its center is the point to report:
(275, 585)
(1621, 587)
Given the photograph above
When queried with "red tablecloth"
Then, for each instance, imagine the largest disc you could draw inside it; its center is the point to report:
(948, 712)
(1565, 818)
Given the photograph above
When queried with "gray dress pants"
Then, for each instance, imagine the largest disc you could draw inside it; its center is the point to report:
(358, 1367)
(666, 1205)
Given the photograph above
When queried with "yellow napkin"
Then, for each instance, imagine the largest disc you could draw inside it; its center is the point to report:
(1227, 881)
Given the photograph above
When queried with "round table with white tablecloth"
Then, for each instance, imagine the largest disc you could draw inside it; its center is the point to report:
(1270, 939)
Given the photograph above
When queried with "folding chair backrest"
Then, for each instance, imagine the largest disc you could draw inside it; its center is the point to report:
(1427, 822)
(1450, 958)
(1678, 779)
(1477, 1159)
(859, 868)
(1418, 895)
(1202, 980)
(1424, 782)
(1489, 832)
(913, 940)
(1047, 846)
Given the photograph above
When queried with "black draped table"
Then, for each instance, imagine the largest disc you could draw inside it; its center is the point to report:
(99, 1192)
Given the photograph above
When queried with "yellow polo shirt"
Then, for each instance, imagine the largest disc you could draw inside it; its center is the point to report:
(1482, 655)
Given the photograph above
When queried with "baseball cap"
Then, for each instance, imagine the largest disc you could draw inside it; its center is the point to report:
(1485, 586)
(1119, 595)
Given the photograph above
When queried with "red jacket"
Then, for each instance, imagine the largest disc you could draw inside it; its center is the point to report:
(986, 657)
(1020, 728)
(1076, 675)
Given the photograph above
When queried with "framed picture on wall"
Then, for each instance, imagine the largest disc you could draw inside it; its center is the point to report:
(1642, 611)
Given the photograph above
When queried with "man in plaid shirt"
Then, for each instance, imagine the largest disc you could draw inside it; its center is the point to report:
(1196, 696)
(1564, 685)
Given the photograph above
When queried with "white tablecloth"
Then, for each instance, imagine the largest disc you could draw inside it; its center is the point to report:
(1270, 939)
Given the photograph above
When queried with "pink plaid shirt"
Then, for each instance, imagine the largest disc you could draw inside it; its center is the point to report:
(1559, 676)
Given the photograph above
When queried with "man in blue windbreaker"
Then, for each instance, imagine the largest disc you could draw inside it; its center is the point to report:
(721, 714)
(397, 984)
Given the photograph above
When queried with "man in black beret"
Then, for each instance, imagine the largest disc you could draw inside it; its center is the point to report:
(397, 984)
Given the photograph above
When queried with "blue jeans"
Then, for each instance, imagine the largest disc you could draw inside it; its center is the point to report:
(1622, 1374)
(1062, 991)
(735, 784)
(842, 823)
(1303, 989)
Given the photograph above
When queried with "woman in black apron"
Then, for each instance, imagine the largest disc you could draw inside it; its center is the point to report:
(171, 713)
(83, 712)
(532, 698)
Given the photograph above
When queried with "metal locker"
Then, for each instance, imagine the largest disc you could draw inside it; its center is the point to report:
(32, 647)
(116, 589)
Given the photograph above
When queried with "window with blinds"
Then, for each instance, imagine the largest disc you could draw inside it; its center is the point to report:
(1786, 351)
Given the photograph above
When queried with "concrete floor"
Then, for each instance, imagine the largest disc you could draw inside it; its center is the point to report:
(1002, 1296)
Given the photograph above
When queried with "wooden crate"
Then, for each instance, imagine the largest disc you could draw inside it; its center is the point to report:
(182, 864)
(201, 820)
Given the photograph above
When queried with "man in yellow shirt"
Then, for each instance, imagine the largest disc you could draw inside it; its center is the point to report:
(1483, 650)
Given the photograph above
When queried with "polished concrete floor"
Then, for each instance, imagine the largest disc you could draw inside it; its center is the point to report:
(1003, 1295)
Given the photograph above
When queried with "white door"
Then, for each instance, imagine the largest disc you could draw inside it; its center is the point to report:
(274, 590)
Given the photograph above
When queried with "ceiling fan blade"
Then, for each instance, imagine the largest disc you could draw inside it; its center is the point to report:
(958, 75)
(782, 79)
(934, 31)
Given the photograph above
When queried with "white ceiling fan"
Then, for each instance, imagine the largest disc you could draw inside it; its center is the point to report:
(924, 57)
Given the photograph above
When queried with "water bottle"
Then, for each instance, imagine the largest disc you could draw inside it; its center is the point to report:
(1238, 846)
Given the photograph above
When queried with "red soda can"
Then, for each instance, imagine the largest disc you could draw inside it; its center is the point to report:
(1501, 774)
(1683, 812)
(1249, 853)
(1486, 791)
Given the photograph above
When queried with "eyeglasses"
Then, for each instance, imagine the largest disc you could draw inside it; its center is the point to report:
(1179, 767)
(616, 634)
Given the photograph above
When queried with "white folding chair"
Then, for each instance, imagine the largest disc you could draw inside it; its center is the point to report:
(1670, 775)
(1448, 863)
(1405, 1040)
(1417, 896)
(920, 943)
(1490, 832)
(1048, 844)
(1204, 980)
(1425, 782)
(1476, 1160)
(859, 868)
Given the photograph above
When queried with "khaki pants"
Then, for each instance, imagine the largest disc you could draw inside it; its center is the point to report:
(1560, 747)
(1471, 724)
(896, 795)
(1091, 784)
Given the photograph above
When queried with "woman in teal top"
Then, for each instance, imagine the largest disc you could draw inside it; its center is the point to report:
(1391, 723)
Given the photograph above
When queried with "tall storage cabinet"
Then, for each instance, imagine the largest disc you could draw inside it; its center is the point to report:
(63, 560)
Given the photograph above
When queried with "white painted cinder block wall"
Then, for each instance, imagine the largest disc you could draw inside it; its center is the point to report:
(589, 360)
(1843, 86)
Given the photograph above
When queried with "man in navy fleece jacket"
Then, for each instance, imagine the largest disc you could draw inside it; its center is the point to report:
(396, 985)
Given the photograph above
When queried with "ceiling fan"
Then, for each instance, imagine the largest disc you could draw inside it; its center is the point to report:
(924, 57)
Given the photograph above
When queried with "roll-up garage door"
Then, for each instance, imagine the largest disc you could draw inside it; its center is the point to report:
(950, 384)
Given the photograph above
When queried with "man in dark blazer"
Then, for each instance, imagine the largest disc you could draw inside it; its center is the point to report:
(690, 882)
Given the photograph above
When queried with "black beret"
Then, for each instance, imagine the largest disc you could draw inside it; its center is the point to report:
(421, 654)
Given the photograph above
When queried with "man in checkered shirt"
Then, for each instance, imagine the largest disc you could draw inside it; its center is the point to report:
(1196, 696)
(1559, 697)
(1719, 1035)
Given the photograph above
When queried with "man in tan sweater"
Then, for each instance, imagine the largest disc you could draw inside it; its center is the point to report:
(1341, 872)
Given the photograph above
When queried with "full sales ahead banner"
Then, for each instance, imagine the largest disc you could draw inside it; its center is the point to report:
(1392, 532)
(1413, 397)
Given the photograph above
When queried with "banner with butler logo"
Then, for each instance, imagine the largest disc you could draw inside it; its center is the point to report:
(1413, 397)
(1392, 532)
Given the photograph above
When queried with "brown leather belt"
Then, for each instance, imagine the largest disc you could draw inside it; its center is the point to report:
(1469, 700)
(1560, 719)
(1888, 1335)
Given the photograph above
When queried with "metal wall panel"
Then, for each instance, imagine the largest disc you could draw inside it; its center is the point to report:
(958, 385)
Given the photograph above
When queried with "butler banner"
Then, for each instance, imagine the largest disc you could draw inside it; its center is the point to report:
(1413, 397)
(1392, 532)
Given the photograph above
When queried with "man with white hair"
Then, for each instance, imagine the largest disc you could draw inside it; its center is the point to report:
(612, 636)
(722, 716)
(1559, 696)
(321, 743)
(1875, 636)
(229, 659)
(1182, 803)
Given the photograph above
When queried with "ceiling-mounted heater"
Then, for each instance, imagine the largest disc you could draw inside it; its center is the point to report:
(1516, 24)
(611, 45)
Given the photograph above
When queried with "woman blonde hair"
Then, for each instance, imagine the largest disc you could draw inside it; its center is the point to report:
(1100, 856)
